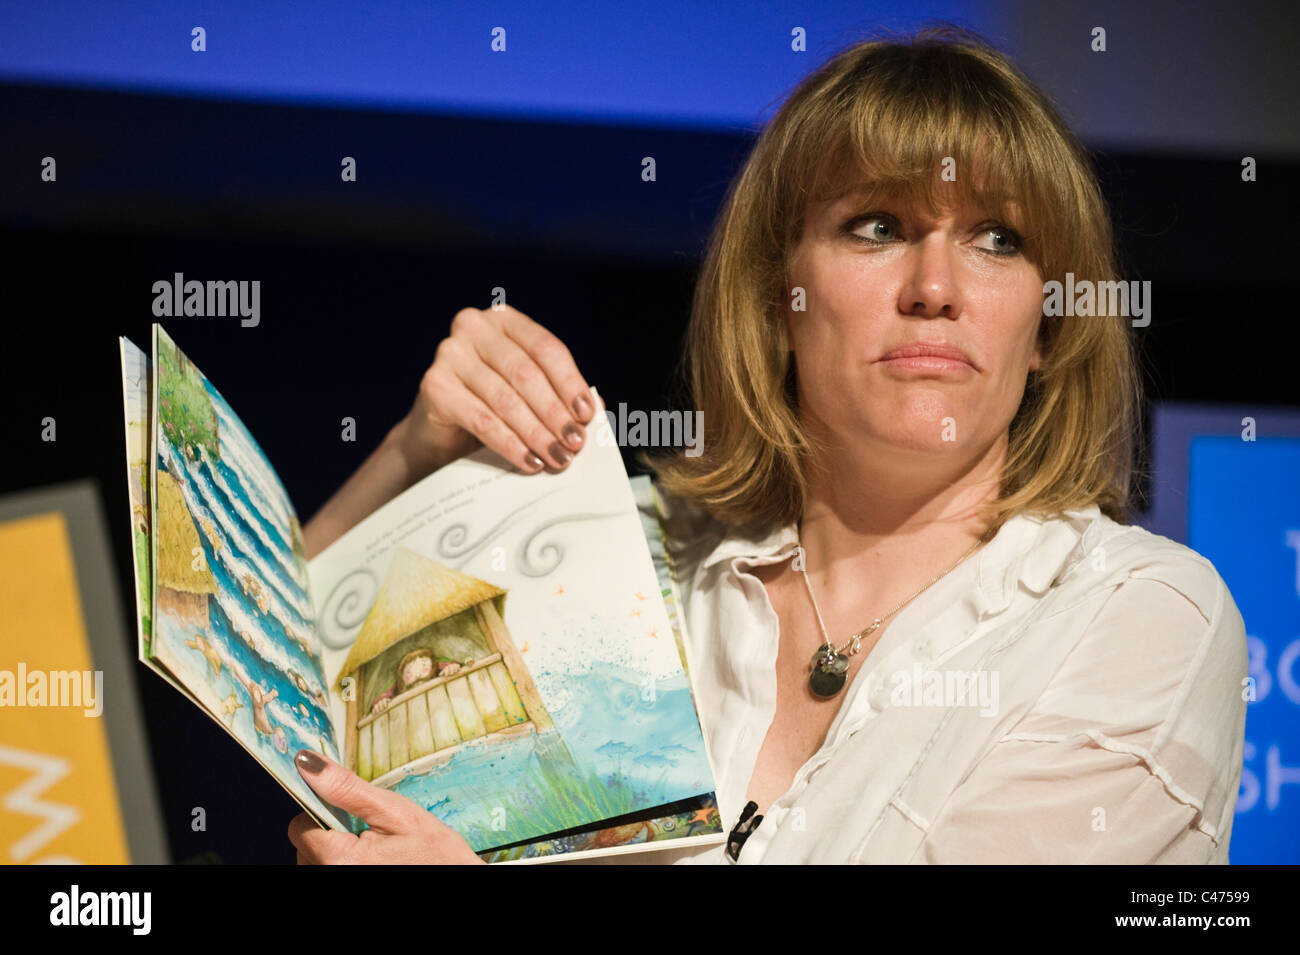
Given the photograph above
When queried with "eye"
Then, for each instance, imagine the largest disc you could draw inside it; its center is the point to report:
(877, 228)
(881, 230)
(1006, 241)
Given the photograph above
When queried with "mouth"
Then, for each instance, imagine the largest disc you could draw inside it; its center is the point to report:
(931, 358)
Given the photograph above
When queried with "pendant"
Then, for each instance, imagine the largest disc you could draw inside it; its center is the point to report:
(829, 672)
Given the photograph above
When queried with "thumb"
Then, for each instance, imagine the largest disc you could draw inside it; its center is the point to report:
(383, 810)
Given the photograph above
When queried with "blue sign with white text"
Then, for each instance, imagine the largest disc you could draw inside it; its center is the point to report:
(1244, 516)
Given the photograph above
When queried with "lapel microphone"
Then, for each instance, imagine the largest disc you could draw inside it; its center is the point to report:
(741, 830)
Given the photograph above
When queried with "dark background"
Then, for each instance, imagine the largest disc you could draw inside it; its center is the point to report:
(360, 281)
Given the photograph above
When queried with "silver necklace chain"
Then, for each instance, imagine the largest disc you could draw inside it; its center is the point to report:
(854, 643)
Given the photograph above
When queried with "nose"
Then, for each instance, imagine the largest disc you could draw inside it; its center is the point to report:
(930, 287)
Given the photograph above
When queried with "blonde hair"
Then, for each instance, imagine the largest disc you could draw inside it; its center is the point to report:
(885, 114)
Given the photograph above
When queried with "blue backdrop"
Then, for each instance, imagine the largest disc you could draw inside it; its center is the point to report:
(1227, 484)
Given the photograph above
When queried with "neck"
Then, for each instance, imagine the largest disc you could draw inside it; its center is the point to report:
(880, 518)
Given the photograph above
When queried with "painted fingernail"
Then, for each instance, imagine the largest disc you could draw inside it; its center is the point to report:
(573, 435)
(309, 761)
(561, 456)
(582, 405)
(535, 462)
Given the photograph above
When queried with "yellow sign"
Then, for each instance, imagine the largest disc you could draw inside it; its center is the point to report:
(58, 800)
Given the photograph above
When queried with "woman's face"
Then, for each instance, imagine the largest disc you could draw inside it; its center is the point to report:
(919, 331)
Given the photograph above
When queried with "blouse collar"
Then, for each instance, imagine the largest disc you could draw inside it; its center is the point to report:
(1003, 564)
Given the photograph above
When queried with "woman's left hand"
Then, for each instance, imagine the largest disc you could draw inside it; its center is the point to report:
(401, 832)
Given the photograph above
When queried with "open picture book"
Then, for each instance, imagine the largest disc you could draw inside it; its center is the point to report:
(505, 649)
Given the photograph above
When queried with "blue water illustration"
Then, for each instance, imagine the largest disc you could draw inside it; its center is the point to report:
(624, 767)
(269, 688)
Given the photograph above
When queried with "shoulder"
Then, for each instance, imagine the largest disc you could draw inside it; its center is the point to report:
(1153, 667)
(1121, 601)
(1150, 619)
(1112, 556)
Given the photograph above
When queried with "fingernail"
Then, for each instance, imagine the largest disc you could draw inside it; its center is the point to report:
(309, 761)
(573, 435)
(535, 462)
(561, 456)
(582, 405)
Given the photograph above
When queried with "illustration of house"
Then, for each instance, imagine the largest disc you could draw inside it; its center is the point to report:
(183, 587)
(424, 607)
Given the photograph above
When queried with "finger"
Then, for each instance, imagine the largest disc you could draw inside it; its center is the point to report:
(300, 825)
(382, 809)
(470, 412)
(325, 847)
(519, 369)
(302, 829)
(509, 405)
(554, 358)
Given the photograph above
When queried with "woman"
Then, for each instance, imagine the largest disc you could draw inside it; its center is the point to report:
(920, 630)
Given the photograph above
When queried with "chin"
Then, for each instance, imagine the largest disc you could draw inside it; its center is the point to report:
(924, 420)
(920, 442)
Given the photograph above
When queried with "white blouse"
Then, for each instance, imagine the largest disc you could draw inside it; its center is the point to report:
(1102, 721)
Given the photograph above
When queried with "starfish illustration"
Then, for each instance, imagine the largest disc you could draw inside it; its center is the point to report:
(229, 705)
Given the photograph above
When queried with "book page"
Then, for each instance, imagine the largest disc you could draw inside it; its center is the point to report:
(662, 827)
(498, 650)
(232, 621)
(135, 413)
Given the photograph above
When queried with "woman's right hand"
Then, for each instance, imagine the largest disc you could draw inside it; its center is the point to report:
(503, 380)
